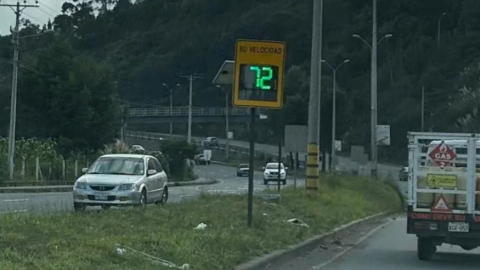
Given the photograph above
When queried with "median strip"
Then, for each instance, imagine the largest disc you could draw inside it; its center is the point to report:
(90, 240)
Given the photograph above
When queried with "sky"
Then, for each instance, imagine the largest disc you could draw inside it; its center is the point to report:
(47, 9)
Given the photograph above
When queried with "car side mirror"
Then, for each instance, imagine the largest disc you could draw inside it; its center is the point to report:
(151, 172)
(84, 170)
(286, 168)
(263, 168)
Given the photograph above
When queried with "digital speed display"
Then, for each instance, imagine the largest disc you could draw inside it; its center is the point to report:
(258, 82)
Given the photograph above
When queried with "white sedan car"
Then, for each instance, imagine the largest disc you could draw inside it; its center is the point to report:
(271, 173)
(121, 180)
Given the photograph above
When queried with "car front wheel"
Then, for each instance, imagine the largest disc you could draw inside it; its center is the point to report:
(143, 199)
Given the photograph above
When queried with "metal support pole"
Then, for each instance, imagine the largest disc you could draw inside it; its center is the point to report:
(334, 115)
(279, 163)
(312, 172)
(373, 141)
(423, 108)
(251, 166)
(296, 170)
(171, 113)
(189, 136)
(227, 150)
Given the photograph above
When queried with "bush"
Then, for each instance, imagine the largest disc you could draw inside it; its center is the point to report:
(176, 152)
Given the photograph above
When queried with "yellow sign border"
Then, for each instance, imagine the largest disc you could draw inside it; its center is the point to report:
(278, 104)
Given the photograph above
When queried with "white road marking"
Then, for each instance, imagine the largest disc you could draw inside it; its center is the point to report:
(320, 266)
(17, 200)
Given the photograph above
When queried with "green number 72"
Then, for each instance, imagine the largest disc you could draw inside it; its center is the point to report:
(260, 80)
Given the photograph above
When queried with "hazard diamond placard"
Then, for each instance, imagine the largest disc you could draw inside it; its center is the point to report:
(442, 155)
(441, 205)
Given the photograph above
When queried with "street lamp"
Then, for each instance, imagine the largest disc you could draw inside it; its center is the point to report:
(373, 50)
(439, 28)
(171, 105)
(334, 102)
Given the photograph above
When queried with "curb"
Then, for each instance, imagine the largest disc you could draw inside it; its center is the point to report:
(264, 262)
(36, 189)
(192, 183)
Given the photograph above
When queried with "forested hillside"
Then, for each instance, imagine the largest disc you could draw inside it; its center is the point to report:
(152, 41)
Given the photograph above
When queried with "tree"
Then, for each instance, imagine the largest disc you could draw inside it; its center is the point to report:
(72, 100)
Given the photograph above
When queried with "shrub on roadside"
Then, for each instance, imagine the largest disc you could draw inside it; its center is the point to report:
(176, 153)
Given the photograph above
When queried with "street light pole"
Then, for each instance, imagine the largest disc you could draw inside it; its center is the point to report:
(334, 120)
(227, 148)
(373, 50)
(171, 106)
(191, 78)
(439, 28)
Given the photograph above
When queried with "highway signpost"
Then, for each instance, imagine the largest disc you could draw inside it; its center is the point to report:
(258, 83)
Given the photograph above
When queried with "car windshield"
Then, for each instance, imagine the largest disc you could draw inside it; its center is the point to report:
(243, 166)
(274, 166)
(118, 165)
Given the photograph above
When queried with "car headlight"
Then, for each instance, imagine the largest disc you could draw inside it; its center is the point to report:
(81, 185)
(127, 187)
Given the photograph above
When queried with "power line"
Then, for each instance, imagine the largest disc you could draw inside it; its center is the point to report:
(33, 17)
(45, 5)
(46, 12)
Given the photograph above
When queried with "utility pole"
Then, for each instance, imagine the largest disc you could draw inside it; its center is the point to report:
(313, 173)
(334, 103)
(17, 9)
(171, 106)
(423, 108)
(191, 78)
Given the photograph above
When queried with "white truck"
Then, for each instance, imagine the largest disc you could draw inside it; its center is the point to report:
(443, 191)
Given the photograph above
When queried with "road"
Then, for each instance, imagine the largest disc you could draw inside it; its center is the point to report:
(380, 245)
(55, 202)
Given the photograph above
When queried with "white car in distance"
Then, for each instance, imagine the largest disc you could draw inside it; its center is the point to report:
(121, 180)
(270, 173)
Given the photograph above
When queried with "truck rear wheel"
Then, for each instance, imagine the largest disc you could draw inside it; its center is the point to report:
(425, 249)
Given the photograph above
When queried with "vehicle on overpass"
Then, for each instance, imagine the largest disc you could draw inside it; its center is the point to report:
(210, 141)
(243, 170)
(444, 191)
(121, 180)
(270, 173)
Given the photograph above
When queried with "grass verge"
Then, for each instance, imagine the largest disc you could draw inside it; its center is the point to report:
(88, 240)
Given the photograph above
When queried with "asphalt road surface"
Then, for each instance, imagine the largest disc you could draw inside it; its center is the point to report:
(55, 202)
(380, 245)
(391, 248)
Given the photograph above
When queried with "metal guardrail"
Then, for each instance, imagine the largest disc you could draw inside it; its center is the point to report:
(183, 111)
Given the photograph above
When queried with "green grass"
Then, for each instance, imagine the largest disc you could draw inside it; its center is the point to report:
(87, 240)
